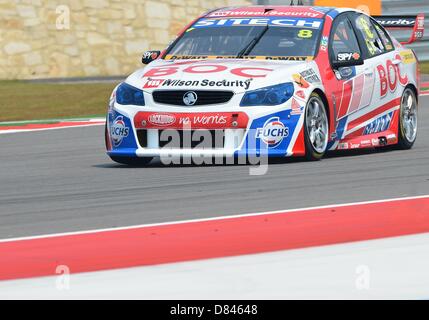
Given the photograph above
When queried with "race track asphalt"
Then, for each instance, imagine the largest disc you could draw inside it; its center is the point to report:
(61, 180)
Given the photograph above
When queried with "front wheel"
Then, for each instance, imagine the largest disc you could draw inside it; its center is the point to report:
(316, 128)
(131, 161)
(407, 120)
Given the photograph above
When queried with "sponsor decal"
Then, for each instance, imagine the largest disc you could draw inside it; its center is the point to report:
(354, 145)
(207, 83)
(420, 22)
(300, 81)
(291, 58)
(310, 76)
(375, 142)
(348, 56)
(391, 137)
(150, 55)
(284, 58)
(379, 125)
(324, 43)
(237, 13)
(260, 21)
(346, 72)
(118, 131)
(245, 72)
(204, 120)
(153, 83)
(390, 76)
(162, 119)
(408, 57)
(343, 146)
(398, 22)
(194, 120)
(296, 108)
(300, 94)
(273, 132)
(366, 143)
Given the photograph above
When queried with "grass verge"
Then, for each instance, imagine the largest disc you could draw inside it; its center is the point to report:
(21, 100)
(424, 67)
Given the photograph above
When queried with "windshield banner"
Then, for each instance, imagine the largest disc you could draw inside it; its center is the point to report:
(309, 23)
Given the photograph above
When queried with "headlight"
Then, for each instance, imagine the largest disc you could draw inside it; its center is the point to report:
(268, 96)
(126, 94)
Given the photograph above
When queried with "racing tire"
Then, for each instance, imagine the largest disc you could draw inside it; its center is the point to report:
(407, 132)
(316, 128)
(132, 161)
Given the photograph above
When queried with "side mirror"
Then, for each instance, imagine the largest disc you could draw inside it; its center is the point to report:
(347, 59)
(149, 56)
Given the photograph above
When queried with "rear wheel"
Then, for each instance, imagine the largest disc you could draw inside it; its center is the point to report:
(407, 120)
(316, 128)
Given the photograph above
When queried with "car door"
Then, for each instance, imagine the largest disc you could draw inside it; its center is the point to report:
(349, 82)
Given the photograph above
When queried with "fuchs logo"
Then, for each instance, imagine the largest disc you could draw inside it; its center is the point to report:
(273, 132)
(190, 98)
(164, 119)
(119, 131)
(379, 125)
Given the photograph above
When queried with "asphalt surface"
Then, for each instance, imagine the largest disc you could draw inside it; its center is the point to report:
(61, 180)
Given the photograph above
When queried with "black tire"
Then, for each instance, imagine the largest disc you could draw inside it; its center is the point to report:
(129, 161)
(106, 136)
(311, 154)
(405, 141)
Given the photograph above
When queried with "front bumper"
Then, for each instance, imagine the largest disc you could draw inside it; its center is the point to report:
(141, 131)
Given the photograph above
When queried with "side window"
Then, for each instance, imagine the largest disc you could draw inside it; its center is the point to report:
(343, 39)
(371, 38)
(384, 37)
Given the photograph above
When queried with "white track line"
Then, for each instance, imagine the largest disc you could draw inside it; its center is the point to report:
(46, 129)
(47, 121)
(211, 219)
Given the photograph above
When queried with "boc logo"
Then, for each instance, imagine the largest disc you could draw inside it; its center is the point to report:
(119, 131)
(273, 132)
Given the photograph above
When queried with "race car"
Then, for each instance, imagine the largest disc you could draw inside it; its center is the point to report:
(270, 80)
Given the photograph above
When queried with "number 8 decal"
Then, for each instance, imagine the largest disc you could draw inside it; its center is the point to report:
(305, 33)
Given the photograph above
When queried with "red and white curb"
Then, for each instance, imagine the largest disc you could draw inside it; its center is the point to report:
(30, 126)
(166, 243)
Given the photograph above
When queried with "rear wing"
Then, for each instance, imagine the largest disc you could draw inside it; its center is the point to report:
(416, 23)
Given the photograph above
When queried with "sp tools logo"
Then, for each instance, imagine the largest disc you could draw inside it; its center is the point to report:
(118, 131)
(273, 132)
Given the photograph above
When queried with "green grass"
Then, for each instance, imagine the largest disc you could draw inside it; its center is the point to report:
(20, 100)
(424, 67)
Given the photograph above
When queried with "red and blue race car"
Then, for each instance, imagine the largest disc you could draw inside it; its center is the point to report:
(274, 80)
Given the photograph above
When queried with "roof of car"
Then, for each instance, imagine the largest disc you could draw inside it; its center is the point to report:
(281, 11)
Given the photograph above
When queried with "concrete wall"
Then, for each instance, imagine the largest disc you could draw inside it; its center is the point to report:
(66, 38)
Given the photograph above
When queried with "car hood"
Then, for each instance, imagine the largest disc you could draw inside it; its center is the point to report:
(237, 75)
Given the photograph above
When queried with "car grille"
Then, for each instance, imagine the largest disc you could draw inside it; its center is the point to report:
(207, 97)
(174, 139)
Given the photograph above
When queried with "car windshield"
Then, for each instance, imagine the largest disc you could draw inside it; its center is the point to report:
(228, 37)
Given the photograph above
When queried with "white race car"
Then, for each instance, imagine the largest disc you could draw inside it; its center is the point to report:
(273, 80)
